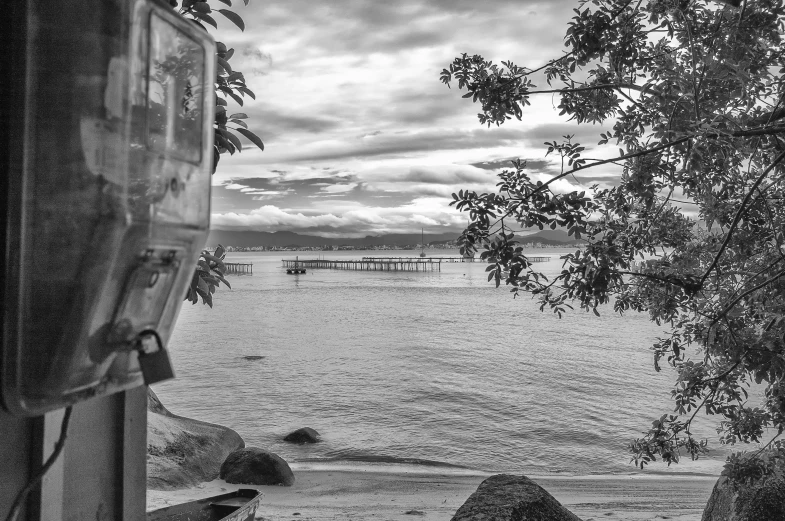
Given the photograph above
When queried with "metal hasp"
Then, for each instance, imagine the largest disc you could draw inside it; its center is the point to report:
(109, 159)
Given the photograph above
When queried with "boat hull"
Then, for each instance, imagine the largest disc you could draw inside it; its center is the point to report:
(240, 505)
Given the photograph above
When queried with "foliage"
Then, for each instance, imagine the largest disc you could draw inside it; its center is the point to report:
(229, 85)
(209, 273)
(688, 96)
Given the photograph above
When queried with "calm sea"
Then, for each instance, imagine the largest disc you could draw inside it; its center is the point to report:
(426, 370)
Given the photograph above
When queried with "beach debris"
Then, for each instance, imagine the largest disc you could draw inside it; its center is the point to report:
(304, 435)
(505, 497)
(255, 466)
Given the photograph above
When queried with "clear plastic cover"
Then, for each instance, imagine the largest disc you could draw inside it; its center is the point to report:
(114, 187)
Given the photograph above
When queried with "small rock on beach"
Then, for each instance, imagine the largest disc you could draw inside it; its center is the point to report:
(255, 466)
(504, 497)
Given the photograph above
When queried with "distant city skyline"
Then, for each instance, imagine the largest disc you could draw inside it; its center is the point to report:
(361, 137)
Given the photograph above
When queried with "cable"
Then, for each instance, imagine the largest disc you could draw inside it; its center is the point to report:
(35, 480)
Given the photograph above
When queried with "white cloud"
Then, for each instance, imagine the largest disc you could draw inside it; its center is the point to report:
(348, 94)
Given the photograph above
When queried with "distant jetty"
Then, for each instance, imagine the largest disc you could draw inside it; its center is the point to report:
(238, 268)
(367, 264)
(452, 258)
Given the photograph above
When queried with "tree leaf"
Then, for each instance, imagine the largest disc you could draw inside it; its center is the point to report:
(224, 64)
(206, 18)
(247, 91)
(202, 7)
(231, 137)
(233, 17)
(252, 137)
(235, 97)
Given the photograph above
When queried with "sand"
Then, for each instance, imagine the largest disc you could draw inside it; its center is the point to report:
(356, 494)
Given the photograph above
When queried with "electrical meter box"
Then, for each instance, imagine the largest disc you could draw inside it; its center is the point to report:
(107, 164)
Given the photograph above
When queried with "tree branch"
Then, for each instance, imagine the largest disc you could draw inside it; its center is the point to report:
(605, 161)
(738, 299)
(768, 117)
(739, 213)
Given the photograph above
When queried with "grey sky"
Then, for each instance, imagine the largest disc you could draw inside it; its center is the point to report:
(361, 137)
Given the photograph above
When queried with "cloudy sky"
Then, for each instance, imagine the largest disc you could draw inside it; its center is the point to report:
(361, 136)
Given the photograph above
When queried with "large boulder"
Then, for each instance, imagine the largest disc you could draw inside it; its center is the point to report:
(512, 498)
(255, 466)
(304, 435)
(182, 452)
(765, 500)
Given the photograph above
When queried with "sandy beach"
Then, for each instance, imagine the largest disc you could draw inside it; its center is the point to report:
(325, 495)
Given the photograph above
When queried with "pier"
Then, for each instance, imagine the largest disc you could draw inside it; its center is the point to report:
(452, 258)
(367, 264)
(238, 268)
(406, 259)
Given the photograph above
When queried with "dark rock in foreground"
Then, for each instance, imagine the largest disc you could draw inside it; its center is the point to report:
(182, 452)
(255, 466)
(505, 497)
(750, 503)
(304, 435)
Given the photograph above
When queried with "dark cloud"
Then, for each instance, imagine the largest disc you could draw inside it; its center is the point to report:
(256, 61)
(501, 164)
(450, 177)
(366, 26)
(431, 140)
(587, 135)
(270, 117)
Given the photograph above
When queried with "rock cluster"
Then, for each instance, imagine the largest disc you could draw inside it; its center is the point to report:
(505, 497)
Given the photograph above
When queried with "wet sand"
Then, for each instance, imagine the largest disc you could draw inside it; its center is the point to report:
(322, 495)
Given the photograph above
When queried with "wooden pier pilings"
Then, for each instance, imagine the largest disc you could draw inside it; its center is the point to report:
(444, 259)
(406, 259)
(238, 268)
(413, 264)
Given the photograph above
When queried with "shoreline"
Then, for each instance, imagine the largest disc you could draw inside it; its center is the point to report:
(332, 494)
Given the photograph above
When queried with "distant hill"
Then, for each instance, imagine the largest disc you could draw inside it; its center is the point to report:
(550, 237)
(249, 239)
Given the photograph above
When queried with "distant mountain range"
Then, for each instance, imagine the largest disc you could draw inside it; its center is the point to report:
(250, 239)
(551, 238)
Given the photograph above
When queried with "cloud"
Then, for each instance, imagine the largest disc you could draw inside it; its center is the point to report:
(347, 219)
(360, 135)
(506, 164)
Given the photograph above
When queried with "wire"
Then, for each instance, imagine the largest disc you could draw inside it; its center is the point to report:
(13, 514)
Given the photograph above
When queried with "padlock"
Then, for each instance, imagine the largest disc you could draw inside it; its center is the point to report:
(153, 358)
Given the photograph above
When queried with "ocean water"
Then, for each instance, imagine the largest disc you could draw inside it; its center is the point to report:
(421, 370)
